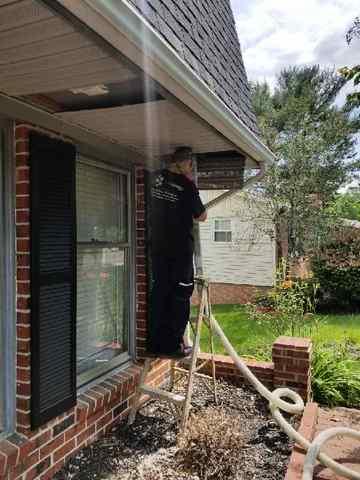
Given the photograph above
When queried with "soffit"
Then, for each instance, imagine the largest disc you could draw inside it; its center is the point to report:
(154, 129)
(41, 52)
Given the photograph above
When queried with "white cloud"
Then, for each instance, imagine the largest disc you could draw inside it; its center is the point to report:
(277, 33)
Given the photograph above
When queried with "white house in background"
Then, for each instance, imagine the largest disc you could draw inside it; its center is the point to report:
(238, 247)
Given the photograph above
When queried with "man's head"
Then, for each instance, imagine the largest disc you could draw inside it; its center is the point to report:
(181, 161)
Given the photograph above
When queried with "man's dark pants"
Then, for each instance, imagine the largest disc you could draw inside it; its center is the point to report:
(173, 285)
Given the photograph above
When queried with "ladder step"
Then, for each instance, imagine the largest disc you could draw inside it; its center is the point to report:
(162, 394)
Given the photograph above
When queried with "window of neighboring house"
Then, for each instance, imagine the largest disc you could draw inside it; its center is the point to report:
(222, 230)
(103, 254)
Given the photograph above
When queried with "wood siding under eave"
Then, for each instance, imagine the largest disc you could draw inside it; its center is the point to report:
(41, 52)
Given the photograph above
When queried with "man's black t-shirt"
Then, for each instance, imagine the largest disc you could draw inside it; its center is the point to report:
(175, 202)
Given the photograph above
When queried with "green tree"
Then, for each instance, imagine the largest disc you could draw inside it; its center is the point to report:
(353, 73)
(313, 140)
(347, 205)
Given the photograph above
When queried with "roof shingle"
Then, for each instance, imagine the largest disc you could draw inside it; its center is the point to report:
(203, 33)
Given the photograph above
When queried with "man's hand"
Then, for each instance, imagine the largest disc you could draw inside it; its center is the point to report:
(202, 217)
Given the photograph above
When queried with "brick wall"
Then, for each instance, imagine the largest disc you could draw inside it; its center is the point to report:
(29, 455)
(230, 293)
(22, 278)
(290, 366)
(141, 272)
(292, 358)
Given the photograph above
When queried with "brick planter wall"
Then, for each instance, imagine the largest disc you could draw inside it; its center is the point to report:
(292, 358)
(226, 369)
(29, 455)
(290, 366)
(307, 430)
(230, 293)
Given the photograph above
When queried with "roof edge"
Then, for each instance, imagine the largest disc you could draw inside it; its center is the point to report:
(165, 63)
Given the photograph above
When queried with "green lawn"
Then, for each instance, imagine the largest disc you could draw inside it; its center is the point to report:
(252, 340)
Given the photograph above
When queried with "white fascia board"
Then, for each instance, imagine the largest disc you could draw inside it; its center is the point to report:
(118, 22)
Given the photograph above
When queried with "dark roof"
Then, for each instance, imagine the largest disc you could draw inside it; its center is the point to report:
(203, 32)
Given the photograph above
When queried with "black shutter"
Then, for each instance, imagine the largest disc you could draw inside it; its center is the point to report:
(53, 278)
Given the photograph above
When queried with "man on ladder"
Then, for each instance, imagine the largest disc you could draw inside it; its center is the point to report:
(175, 204)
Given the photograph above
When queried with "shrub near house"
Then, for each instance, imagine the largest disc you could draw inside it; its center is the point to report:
(337, 268)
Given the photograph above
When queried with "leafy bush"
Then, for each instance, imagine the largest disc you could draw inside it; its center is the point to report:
(288, 308)
(337, 269)
(212, 445)
(335, 377)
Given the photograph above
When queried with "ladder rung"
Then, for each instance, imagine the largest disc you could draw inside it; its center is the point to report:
(162, 394)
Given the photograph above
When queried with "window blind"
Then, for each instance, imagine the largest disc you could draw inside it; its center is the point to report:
(102, 268)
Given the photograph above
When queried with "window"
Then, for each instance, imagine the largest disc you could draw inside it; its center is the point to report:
(222, 230)
(102, 269)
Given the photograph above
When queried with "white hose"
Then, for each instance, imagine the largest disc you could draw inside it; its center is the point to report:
(276, 402)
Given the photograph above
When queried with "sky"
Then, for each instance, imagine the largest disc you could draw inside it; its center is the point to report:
(277, 33)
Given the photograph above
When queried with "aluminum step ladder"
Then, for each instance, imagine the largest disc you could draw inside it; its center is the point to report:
(182, 403)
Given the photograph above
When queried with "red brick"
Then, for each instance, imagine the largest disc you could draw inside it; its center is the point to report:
(85, 435)
(23, 419)
(23, 231)
(23, 374)
(3, 459)
(73, 431)
(23, 260)
(23, 246)
(23, 274)
(52, 446)
(23, 332)
(226, 293)
(22, 188)
(61, 452)
(49, 474)
(23, 288)
(23, 174)
(23, 389)
(38, 469)
(105, 393)
(307, 430)
(97, 397)
(104, 421)
(23, 346)
(22, 146)
(23, 404)
(23, 360)
(90, 402)
(23, 318)
(81, 412)
(21, 132)
(10, 451)
(23, 303)
(22, 216)
(22, 160)
(23, 202)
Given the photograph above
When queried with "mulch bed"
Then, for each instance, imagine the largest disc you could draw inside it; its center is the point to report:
(147, 450)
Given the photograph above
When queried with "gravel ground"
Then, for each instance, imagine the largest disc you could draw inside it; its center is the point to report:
(147, 450)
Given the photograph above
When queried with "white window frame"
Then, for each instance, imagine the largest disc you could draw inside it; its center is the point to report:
(86, 379)
(7, 279)
(215, 230)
